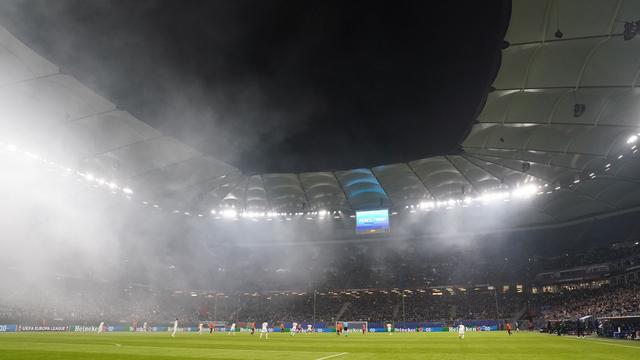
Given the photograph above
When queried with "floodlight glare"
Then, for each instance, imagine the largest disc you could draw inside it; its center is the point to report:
(632, 139)
(524, 191)
(127, 191)
(229, 213)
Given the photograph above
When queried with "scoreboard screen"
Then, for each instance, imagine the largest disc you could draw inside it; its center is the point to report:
(372, 221)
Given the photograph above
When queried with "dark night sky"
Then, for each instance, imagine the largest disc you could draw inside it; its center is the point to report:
(281, 86)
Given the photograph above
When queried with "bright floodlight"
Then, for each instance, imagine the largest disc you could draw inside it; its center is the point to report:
(632, 139)
(229, 213)
(488, 197)
(524, 191)
(89, 177)
(426, 204)
(322, 212)
(127, 191)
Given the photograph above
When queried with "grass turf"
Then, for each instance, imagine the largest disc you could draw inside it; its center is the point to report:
(160, 346)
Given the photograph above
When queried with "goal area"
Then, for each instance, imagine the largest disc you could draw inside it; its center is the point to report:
(354, 326)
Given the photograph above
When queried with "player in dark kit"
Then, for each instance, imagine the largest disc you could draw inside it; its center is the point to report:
(253, 327)
(210, 327)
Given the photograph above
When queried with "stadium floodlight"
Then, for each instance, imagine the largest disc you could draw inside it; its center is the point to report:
(32, 155)
(213, 212)
(524, 191)
(127, 191)
(322, 212)
(89, 177)
(492, 196)
(632, 139)
(427, 205)
(620, 157)
(229, 213)
(113, 185)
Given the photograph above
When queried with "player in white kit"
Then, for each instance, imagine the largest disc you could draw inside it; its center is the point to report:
(389, 328)
(309, 329)
(232, 330)
(175, 328)
(294, 329)
(101, 327)
(265, 330)
(461, 331)
(144, 327)
(200, 326)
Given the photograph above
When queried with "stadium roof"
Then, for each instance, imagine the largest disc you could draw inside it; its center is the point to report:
(562, 116)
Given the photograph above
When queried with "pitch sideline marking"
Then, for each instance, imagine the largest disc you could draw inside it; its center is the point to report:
(331, 356)
(118, 345)
(609, 343)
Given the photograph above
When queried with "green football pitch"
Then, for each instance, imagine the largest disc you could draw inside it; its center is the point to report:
(495, 346)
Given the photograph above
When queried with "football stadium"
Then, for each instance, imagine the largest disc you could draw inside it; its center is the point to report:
(266, 179)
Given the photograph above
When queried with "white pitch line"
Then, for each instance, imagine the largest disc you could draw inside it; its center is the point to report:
(331, 356)
(607, 343)
(118, 345)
